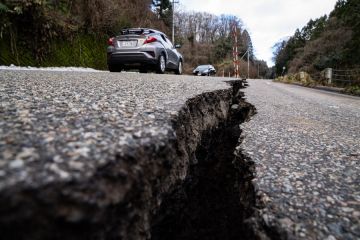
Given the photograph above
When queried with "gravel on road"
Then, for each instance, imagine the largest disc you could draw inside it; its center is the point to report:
(306, 147)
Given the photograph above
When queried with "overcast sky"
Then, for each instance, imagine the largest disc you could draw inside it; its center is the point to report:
(268, 21)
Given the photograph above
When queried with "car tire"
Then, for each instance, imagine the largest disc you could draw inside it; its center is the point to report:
(179, 69)
(161, 64)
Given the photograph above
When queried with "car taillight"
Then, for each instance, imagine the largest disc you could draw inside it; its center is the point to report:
(150, 40)
(111, 41)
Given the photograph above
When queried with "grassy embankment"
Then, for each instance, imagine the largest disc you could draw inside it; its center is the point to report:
(80, 51)
(305, 79)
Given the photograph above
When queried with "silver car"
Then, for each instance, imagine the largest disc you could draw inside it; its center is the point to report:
(144, 49)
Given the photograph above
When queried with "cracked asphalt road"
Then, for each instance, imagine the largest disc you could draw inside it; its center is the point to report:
(305, 143)
(306, 147)
(99, 151)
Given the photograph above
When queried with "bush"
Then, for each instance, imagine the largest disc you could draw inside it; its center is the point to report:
(302, 77)
(353, 90)
(86, 50)
(81, 51)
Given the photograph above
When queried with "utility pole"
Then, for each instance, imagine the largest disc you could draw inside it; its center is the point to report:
(173, 22)
(248, 60)
(247, 52)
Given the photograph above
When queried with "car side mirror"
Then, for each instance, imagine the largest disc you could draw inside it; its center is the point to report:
(177, 46)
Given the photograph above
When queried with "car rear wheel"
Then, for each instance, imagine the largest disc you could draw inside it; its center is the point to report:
(161, 65)
(179, 69)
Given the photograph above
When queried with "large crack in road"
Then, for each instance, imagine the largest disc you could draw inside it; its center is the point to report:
(217, 196)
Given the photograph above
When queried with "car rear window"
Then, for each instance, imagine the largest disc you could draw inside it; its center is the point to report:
(201, 67)
(139, 31)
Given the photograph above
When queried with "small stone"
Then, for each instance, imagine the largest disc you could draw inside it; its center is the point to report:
(174, 113)
(335, 228)
(286, 222)
(76, 165)
(330, 237)
(95, 106)
(356, 214)
(7, 154)
(234, 106)
(138, 134)
(58, 159)
(347, 209)
(83, 151)
(89, 135)
(330, 200)
(26, 153)
(62, 174)
(356, 229)
(49, 139)
(129, 129)
(287, 188)
(16, 164)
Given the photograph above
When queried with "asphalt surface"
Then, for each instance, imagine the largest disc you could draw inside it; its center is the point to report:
(306, 146)
(60, 126)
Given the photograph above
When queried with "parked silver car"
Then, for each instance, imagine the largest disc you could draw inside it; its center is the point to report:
(144, 49)
(204, 70)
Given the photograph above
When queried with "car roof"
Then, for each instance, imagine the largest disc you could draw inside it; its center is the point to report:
(139, 31)
(205, 65)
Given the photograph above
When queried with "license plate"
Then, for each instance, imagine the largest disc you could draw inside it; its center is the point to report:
(128, 43)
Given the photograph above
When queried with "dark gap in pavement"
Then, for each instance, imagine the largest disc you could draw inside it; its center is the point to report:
(217, 196)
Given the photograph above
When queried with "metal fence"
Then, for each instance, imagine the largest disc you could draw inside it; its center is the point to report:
(337, 77)
(345, 77)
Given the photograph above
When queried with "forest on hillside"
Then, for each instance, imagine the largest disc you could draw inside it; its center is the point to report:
(207, 38)
(327, 42)
(68, 32)
(75, 33)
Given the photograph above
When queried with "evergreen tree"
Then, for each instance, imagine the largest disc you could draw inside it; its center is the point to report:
(164, 10)
(247, 44)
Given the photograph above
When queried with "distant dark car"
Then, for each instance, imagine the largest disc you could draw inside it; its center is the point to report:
(144, 49)
(204, 70)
